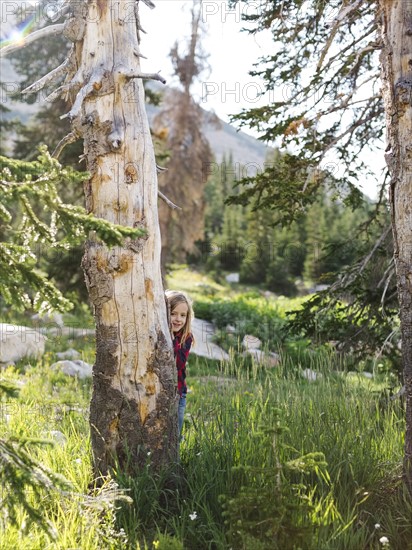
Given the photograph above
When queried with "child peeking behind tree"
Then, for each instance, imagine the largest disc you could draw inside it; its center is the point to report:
(181, 315)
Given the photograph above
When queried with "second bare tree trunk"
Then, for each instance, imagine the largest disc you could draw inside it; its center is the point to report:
(396, 58)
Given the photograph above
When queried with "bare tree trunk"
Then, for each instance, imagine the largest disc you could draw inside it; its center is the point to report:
(396, 61)
(185, 178)
(133, 409)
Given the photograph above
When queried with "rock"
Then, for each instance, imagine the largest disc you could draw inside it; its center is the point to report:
(251, 342)
(54, 318)
(18, 342)
(58, 437)
(68, 354)
(203, 332)
(400, 393)
(5, 364)
(220, 381)
(274, 359)
(366, 374)
(266, 359)
(311, 375)
(230, 329)
(72, 332)
(74, 368)
(232, 278)
(319, 288)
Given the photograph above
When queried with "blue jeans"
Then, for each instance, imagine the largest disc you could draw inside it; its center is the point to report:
(181, 413)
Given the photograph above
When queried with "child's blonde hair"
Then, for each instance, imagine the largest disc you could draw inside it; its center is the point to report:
(174, 298)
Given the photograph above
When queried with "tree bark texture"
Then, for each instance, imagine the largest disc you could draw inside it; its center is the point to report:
(187, 171)
(185, 179)
(396, 62)
(133, 412)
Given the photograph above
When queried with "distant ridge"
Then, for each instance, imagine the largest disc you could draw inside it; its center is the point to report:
(224, 139)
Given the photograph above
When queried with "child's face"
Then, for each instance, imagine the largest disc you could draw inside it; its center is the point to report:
(178, 317)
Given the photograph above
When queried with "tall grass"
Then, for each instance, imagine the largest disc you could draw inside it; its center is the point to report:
(269, 460)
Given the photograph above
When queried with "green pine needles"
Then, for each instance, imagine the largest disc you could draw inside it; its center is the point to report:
(34, 219)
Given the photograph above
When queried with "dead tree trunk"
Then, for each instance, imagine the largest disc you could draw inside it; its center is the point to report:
(185, 178)
(396, 61)
(133, 413)
(133, 408)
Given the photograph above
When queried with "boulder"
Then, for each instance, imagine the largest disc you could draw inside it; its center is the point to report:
(311, 375)
(74, 368)
(251, 342)
(232, 278)
(68, 354)
(203, 332)
(400, 393)
(266, 359)
(18, 342)
(58, 437)
(51, 319)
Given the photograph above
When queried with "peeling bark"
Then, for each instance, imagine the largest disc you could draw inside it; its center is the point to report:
(396, 61)
(133, 410)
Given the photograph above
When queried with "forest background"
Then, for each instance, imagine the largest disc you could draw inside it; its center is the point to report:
(324, 245)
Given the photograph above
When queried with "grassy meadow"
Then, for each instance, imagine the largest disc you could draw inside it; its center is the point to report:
(269, 461)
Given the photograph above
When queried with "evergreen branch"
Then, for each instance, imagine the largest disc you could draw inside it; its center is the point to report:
(31, 187)
(371, 29)
(352, 127)
(360, 267)
(22, 286)
(21, 474)
(342, 17)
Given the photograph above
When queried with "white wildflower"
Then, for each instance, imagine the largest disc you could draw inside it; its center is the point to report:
(377, 525)
(384, 541)
(193, 516)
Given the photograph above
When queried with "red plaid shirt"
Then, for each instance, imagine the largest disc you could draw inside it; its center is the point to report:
(181, 352)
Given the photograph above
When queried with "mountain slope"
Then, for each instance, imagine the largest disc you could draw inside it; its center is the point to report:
(225, 139)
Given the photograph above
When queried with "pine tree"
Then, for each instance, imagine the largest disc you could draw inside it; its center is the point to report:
(316, 234)
(328, 55)
(259, 248)
(28, 188)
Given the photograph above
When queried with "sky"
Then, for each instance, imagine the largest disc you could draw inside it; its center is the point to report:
(227, 87)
